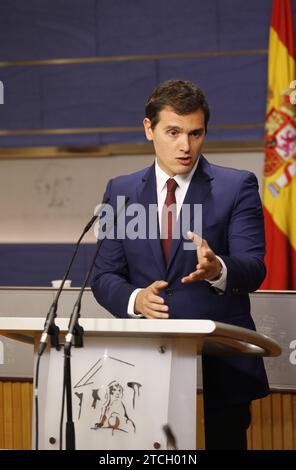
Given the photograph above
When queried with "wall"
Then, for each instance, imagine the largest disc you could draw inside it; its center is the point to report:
(45, 203)
(78, 77)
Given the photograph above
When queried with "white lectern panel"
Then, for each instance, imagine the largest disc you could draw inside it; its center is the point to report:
(123, 390)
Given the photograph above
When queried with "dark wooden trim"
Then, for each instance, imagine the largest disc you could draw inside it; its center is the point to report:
(16, 379)
(131, 58)
(110, 150)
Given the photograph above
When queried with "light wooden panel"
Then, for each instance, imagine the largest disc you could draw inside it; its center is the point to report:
(277, 417)
(273, 424)
(277, 421)
(200, 433)
(1, 417)
(15, 415)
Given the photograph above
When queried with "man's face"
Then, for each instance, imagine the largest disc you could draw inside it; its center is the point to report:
(177, 140)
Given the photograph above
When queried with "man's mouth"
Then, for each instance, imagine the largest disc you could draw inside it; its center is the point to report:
(184, 160)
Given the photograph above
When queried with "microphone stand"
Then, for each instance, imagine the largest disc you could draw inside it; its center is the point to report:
(50, 328)
(76, 330)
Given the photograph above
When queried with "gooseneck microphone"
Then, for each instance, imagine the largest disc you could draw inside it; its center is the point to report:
(73, 326)
(76, 331)
(50, 328)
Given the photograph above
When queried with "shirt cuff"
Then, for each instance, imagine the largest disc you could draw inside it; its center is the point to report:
(131, 305)
(222, 281)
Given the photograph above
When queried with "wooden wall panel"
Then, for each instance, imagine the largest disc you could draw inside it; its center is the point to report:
(287, 421)
(277, 417)
(266, 423)
(277, 422)
(26, 416)
(256, 427)
(1, 417)
(15, 415)
(8, 413)
(294, 419)
(273, 424)
(200, 433)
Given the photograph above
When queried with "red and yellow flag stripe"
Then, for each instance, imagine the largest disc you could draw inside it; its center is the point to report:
(279, 193)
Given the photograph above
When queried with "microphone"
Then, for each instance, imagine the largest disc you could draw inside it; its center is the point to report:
(74, 329)
(50, 328)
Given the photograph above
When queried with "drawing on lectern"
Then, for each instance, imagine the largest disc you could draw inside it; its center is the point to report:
(80, 397)
(113, 413)
(95, 397)
(135, 386)
(108, 397)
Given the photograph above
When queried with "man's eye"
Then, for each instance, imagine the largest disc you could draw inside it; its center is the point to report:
(196, 133)
(173, 132)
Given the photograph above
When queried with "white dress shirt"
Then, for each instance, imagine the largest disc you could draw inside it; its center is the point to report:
(180, 193)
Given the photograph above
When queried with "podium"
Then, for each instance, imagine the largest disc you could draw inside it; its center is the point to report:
(132, 377)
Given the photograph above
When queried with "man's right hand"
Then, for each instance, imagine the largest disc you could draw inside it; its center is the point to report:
(149, 303)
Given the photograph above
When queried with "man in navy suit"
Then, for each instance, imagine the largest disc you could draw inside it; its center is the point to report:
(156, 277)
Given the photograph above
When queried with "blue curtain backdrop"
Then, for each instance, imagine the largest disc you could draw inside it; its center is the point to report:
(226, 43)
(112, 93)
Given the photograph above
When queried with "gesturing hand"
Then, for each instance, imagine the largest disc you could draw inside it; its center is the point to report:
(208, 267)
(149, 303)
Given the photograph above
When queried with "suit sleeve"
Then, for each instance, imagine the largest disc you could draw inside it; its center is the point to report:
(246, 241)
(110, 283)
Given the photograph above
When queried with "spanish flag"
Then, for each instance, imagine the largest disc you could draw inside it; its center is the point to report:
(279, 192)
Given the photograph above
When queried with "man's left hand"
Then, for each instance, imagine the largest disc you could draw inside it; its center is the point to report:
(208, 267)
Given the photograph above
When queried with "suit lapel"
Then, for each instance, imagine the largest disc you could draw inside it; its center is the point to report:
(199, 188)
(146, 193)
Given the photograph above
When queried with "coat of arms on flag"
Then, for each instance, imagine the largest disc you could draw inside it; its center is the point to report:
(280, 145)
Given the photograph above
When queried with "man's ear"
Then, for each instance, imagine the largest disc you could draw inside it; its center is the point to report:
(148, 129)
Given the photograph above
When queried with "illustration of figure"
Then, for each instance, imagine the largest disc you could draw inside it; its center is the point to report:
(114, 414)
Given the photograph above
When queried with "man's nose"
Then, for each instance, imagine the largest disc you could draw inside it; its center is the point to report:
(185, 144)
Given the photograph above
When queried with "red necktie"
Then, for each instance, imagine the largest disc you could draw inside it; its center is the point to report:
(168, 218)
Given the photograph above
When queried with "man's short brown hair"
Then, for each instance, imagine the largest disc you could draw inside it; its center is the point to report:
(184, 97)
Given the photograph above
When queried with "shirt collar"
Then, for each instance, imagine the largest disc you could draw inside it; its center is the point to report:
(182, 180)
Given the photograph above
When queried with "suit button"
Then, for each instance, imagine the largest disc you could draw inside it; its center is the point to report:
(169, 291)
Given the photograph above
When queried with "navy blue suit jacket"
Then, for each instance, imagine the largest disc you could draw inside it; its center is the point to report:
(232, 224)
